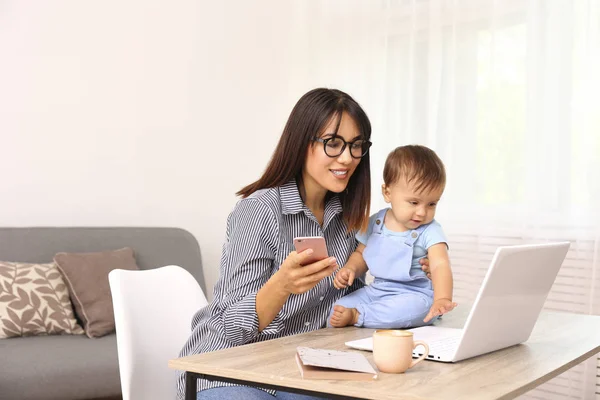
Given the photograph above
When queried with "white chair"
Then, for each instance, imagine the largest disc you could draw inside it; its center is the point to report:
(153, 313)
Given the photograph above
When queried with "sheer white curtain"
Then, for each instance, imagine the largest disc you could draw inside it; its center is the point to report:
(507, 92)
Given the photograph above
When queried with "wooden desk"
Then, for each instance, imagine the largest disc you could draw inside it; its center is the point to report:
(559, 341)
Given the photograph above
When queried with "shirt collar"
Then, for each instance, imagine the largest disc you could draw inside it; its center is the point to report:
(332, 208)
(291, 202)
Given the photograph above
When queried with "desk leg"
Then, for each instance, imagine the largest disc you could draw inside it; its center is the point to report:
(191, 387)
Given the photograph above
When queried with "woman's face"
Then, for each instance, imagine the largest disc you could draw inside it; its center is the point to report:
(322, 173)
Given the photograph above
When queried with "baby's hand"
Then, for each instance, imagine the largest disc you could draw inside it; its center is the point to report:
(439, 307)
(343, 278)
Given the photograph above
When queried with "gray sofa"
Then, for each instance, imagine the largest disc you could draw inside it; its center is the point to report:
(75, 366)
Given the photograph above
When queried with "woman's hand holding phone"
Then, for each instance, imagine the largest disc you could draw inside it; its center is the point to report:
(299, 272)
(315, 243)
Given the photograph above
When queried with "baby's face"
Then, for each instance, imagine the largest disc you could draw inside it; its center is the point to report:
(410, 208)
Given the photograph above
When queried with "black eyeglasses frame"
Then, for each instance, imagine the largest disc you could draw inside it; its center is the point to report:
(326, 140)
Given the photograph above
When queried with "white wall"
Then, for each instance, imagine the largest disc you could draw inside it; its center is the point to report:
(139, 113)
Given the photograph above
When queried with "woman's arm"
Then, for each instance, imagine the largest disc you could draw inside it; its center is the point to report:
(246, 266)
(292, 278)
(250, 294)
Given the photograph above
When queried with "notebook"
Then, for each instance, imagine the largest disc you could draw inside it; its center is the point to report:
(506, 309)
(333, 364)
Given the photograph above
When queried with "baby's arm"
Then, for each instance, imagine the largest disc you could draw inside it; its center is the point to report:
(441, 277)
(355, 266)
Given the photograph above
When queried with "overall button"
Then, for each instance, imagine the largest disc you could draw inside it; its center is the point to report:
(307, 323)
(321, 298)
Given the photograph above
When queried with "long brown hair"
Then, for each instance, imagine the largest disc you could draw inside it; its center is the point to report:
(308, 119)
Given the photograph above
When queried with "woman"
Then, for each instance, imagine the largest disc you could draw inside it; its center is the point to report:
(316, 184)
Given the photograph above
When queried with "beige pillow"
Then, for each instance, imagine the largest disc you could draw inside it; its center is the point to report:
(86, 275)
(34, 301)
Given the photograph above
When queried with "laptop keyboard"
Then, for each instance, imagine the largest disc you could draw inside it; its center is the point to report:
(442, 342)
(439, 347)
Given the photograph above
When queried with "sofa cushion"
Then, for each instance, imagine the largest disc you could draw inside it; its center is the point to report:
(59, 367)
(86, 275)
(34, 300)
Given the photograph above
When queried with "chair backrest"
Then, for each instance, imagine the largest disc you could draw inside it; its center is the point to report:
(153, 314)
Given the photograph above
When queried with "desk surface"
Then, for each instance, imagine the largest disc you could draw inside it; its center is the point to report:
(559, 341)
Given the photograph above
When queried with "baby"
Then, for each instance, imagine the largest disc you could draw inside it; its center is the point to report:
(401, 295)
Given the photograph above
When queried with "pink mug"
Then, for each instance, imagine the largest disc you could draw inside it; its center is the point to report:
(392, 350)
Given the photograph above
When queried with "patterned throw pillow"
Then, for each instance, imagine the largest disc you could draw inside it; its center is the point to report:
(34, 300)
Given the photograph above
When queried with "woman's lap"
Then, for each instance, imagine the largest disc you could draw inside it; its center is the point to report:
(233, 393)
(247, 393)
(295, 396)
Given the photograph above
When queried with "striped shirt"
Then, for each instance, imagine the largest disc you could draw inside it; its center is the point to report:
(259, 236)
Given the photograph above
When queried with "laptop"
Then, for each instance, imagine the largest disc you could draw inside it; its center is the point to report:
(507, 306)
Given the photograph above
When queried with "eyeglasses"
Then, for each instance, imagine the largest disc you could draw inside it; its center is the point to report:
(335, 145)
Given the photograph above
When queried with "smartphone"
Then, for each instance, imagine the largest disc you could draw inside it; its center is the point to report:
(316, 243)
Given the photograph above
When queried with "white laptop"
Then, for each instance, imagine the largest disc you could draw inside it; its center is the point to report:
(507, 306)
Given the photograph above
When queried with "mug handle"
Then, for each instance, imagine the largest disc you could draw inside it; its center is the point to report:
(421, 358)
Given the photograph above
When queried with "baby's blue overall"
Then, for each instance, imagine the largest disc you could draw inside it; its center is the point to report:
(401, 294)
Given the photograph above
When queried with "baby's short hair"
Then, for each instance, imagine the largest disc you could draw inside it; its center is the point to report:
(418, 165)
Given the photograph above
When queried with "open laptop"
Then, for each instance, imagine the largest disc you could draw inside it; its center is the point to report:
(507, 306)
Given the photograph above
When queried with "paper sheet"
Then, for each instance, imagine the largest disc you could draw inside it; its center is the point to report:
(342, 360)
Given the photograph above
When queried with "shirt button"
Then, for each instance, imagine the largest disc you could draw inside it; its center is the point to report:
(414, 234)
(306, 323)
(321, 298)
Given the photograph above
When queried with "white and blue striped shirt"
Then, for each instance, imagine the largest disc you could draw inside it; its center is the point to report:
(260, 233)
